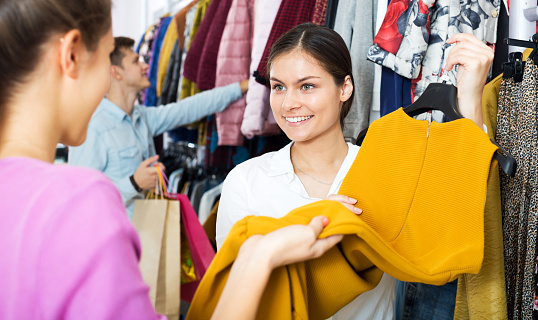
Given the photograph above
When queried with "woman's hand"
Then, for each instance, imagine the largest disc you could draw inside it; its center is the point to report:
(348, 202)
(291, 244)
(474, 59)
(257, 258)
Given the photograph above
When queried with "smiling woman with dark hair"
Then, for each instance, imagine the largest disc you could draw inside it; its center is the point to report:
(311, 92)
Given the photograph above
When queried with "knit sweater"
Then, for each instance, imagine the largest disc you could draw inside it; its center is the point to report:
(421, 187)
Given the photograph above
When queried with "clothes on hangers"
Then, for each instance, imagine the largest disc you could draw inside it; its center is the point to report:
(483, 296)
(258, 118)
(210, 225)
(351, 17)
(151, 92)
(290, 14)
(167, 46)
(411, 40)
(200, 64)
(320, 12)
(188, 87)
(232, 65)
(330, 17)
(207, 202)
(517, 132)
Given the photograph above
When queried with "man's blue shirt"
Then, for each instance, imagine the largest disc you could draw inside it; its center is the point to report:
(117, 143)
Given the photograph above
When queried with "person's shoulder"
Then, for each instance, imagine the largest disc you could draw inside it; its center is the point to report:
(58, 185)
(75, 178)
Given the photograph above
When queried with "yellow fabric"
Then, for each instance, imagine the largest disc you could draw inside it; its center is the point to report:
(483, 296)
(422, 189)
(167, 47)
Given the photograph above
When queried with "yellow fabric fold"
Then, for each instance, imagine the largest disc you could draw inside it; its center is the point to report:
(421, 187)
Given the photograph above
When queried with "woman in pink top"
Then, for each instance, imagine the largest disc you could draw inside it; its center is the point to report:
(67, 249)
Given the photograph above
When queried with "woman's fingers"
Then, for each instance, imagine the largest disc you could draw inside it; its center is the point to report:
(348, 202)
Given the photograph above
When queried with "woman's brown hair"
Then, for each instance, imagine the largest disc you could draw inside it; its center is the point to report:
(324, 45)
(27, 25)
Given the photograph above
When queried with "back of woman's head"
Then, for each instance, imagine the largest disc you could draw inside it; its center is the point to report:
(27, 25)
(324, 45)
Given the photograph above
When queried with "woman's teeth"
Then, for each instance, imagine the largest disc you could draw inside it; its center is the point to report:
(297, 119)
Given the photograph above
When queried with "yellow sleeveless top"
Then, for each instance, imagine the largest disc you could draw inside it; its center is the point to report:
(421, 187)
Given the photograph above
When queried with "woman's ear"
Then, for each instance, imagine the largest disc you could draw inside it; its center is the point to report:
(71, 50)
(347, 89)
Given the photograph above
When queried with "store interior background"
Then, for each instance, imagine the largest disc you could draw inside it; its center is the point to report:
(131, 18)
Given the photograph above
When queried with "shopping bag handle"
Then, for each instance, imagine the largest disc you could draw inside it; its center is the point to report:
(162, 182)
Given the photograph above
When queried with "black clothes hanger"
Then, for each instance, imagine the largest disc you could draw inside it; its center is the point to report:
(430, 100)
(514, 67)
(526, 44)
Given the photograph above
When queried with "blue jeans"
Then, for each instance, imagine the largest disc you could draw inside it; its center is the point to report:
(419, 301)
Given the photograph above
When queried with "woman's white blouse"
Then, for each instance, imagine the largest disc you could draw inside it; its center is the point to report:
(267, 186)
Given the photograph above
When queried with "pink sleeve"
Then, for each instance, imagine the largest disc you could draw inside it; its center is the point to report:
(94, 273)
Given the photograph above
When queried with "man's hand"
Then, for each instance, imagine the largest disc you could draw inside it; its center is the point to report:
(244, 86)
(146, 173)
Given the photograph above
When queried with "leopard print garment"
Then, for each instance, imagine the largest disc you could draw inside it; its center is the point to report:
(517, 132)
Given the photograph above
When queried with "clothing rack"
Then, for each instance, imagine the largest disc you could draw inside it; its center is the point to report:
(172, 7)
(522, 21)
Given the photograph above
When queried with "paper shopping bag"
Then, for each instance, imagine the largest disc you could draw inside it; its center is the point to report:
(158, 224)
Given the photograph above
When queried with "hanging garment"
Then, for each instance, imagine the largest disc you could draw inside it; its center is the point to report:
(330, 16)
(483, 296)
(189, 87)
(320, 11)
(171, 79)
(186, 21)
(151, 92)
(145, 52)
(517, 133)
(188, 81)
(390, 236)
(290, 14)
(258, 118)
(233, 65)
(210, 224)
(224, 158)
(201, 62)
(351, 17)
(412, 37)
(165, 55)
(181, 22)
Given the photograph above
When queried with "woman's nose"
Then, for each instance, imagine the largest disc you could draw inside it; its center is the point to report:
(291, 101)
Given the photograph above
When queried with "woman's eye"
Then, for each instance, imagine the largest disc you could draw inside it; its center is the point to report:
(307, 86)
(278, 87)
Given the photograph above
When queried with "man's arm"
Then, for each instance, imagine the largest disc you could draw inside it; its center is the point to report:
(191, 109)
